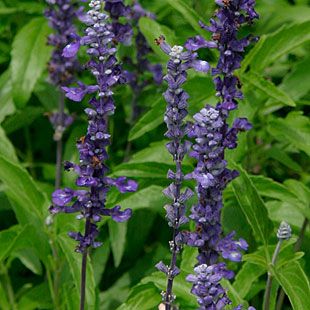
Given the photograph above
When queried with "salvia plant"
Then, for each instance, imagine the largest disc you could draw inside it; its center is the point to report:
(201, 104)
(101, 36)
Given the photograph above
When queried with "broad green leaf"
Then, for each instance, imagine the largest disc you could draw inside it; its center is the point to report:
(297, 83)
(151, 29)
(29, 259)
(150, 198)
(6, 101)
(74, 261)
(142, 297)
(282, 157)
(99, 259)
(252, 205)
(297, 200)
(272, 46)
(181, 287)
(30, 54)
(295, 283)
(149, 121)
(22, 118)
(268, 88)
(246, 277)
(117, 234)
(6, 147)
(189, 14)
(36, 298)
(189, 260)
(8, 239)
(233, 294)
(29, 204)
(299, 189)
(294, 129)
(47, 94)
(146, 170)
(156, 152)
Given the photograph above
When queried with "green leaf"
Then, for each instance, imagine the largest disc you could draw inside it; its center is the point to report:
(294, 129)
(150, 198)
(271, 90)
(74, 261)
(156, 152)
(8, 240)
(29, 259)
(117, 234)
(295, 284)
(142, 297)
(30, 54)
(181, 287)
(297, 83)
(22, 118)
(292, 193)
(189, 14)
(6, 147)
(282, 157)
(233, 294)
(28, 202)
(252, 205)
(246, 277)
(152, 30)
(149, 121)
(36, 298)
(6, 101)
(272, 46)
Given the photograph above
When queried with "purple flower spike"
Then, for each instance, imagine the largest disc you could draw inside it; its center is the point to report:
(180, 61)
(101, 41)
(213, 136)
(61, 15)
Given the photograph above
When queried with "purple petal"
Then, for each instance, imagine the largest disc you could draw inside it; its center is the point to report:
(201, 66)
(71, 49)
(62, 197)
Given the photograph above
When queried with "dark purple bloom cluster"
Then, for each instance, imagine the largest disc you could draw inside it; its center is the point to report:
(212, 136)
(92, 170)
(207, 287)
(176, 98)
(61, 15)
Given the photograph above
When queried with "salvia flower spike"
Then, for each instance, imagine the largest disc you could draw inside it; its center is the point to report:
(176, 98)
(61, 15)
(212, 136)
(92, 170)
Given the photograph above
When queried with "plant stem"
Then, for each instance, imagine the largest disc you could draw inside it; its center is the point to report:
(83, 269)
(269, 280)
(296, 249)
(175, 232)
(59, 147)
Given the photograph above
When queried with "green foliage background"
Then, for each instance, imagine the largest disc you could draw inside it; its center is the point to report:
(38, 266)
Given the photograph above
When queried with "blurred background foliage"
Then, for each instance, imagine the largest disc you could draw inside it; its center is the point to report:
(38, 266)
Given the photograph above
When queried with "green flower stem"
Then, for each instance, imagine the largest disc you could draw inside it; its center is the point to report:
(269, 279)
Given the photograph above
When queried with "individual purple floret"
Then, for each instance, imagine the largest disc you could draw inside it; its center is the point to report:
(212, 137)
(92, 170)
(180, 61)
